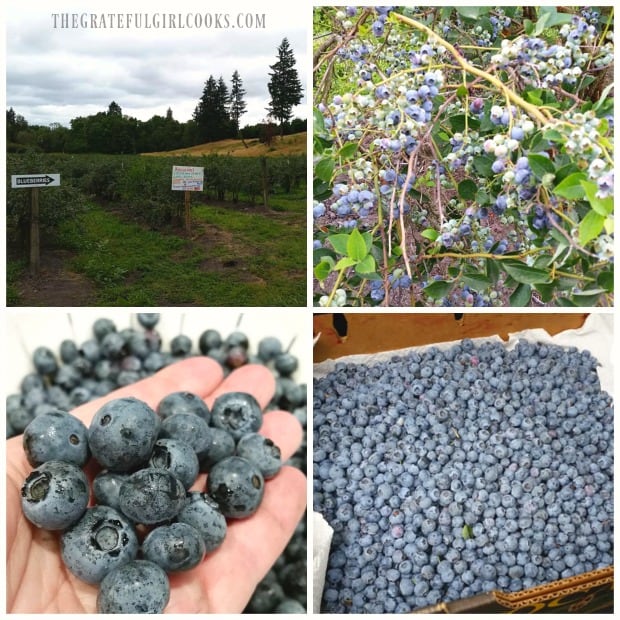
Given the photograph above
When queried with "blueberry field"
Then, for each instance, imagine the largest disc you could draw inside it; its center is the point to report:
(463, 156)
(113, 232)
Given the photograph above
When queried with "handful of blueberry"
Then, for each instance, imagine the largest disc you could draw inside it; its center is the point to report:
(145, 486)
(113, 357)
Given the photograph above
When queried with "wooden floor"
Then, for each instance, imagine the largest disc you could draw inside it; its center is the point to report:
(370, 333)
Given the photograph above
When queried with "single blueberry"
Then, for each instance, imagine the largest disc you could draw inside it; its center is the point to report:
(262, 452)
(56, 436)
(177, 457)
(151, 496)
(237, 412)
(237, 486)
(148, 319)
(106, 488)
(175, 547)
(221, 445)
(189, 428)
(100, 541)
(204, 514)
(209, 339)
(138, 587)
(55, 495)
(183, 402)
(122, 434)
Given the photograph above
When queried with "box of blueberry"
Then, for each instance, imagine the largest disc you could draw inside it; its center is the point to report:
(150, 473)
(470, 476)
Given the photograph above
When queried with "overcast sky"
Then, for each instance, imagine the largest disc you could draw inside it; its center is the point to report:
(56, 74)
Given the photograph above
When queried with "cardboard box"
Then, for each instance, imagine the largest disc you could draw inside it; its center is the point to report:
(385, 333)
(591, 592)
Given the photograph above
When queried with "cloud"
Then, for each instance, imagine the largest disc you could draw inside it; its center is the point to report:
(56, 74)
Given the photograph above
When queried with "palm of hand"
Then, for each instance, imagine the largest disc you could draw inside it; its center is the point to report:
(38, 581)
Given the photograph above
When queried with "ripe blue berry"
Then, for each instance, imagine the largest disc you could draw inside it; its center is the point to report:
(55, 495)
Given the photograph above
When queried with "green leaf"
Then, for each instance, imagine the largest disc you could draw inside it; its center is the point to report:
(482, 198)
(461, 92)
(571, 187)
(320, 190)
(553, 18)
(588, 297)
(603, 206)
(533, 96)
(524, 274)
(553, 135)
(477, 281)
(545, 291)
(467, 189)
(318, 121)
(603, 96)
(540, 165)
(367, 240)
(606, 280)
(566, 303)
(590, 227)
(521, 296)
(322, 270)
(344, 262)
(472, 12)
(430, 233)
(483, 166)
(324, 169)
(565, 171)
(339, 242)
(356, 246)
(541, 24)
(438, 289)
(367, 265)
(348, 150)
(467, 532)
(492, 270)
(323, 254)
(528, 26)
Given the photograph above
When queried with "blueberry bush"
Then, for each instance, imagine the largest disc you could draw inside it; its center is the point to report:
(447, 473)
(463, 156)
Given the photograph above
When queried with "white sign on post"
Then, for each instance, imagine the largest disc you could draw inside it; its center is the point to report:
(35, 180)
(187, 178)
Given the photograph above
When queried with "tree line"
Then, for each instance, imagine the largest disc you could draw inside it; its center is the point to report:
(216, 117)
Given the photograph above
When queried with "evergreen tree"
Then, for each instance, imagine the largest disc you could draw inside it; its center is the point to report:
(211, 114)
(284, 86)
(237, 105)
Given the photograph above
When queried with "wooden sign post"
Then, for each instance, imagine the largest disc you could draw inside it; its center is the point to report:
(34, 182)
(187, 179)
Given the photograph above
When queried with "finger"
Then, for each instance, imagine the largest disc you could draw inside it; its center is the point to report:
(229, 576)
(199, 375)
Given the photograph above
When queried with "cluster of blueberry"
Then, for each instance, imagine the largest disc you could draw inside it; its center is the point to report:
(543, 65)
(150, 460)
(115, 358)
(394, 84)
(446, 473)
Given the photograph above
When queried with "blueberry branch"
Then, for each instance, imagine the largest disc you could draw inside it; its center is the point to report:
(531, 110)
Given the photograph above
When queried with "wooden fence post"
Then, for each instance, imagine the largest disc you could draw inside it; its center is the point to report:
(265, 175)
(188, 224)
(35, 255)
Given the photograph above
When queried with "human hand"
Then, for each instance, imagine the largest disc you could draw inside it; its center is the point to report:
(39, 582)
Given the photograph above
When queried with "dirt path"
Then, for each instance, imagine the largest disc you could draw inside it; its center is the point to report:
(57, 285)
